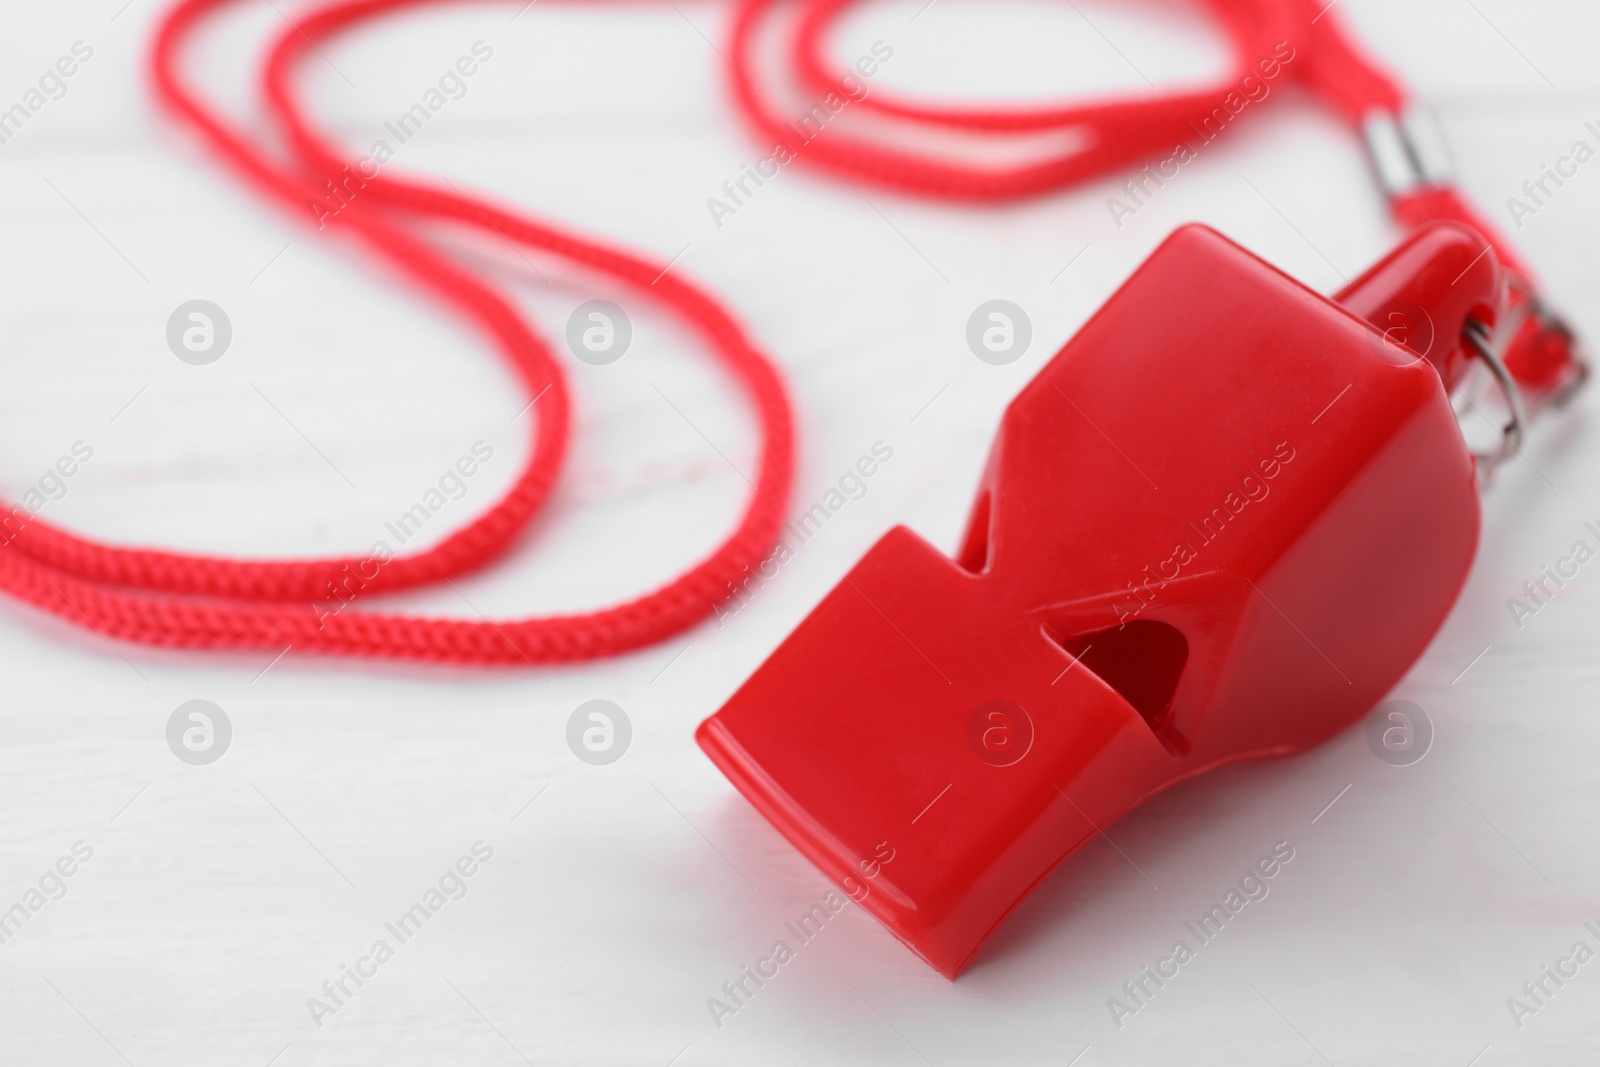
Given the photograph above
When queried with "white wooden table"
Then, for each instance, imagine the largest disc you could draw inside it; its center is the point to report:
(219, 898)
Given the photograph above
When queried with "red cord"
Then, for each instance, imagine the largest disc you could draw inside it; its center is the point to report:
(1119, 131)
(180, 600)
(220, 603)
(1298, 39)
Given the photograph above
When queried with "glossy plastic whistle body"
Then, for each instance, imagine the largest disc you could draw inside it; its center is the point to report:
(1218, 525)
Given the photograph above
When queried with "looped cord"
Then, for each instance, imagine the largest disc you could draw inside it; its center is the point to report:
(1301, 40)
(188, 601)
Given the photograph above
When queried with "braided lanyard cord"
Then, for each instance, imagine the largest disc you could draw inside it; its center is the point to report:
(187, 601)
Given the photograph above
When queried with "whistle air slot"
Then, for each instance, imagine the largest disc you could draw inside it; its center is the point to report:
(974, 555)
(1142, 661)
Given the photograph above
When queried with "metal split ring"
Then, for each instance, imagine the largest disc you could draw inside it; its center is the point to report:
(1477, 335)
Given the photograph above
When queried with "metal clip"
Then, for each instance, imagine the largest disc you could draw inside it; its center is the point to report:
(1407, 151)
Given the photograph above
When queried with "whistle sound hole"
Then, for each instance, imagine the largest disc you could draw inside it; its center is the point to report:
(1142, 661)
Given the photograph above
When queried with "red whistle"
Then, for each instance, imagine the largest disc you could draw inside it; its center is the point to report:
(1219, 525)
